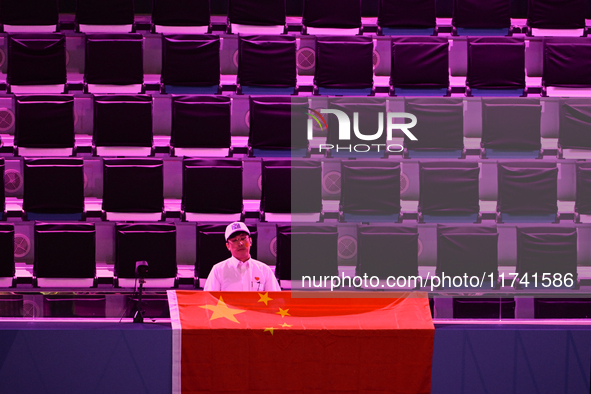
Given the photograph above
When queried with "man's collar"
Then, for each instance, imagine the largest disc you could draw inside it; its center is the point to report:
(238, 263)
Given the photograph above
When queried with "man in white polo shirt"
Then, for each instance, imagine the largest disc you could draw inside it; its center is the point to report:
(240, 272)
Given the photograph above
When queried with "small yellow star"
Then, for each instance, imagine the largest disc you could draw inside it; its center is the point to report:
(265, 298)
(270, 329)
(285, 325)
(283, 312)
(222, 310)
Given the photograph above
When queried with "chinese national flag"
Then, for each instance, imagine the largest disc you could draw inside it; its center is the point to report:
(239, 342)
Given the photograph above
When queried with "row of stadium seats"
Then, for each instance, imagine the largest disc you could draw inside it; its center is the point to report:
(394, 16)
(292, 190)
(267, 65)
(202, 126)
(64, 252)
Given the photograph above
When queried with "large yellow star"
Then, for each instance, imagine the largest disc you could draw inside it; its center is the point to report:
(270, 329)
(265, 298)
(285, 325)
(283, 312)
(222, 310)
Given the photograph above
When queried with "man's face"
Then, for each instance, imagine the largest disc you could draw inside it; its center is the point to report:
(239, 245)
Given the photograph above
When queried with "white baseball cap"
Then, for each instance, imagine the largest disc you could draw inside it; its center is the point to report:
(235, 228)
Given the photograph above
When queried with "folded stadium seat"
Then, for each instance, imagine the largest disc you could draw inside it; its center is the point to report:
(123, 125)
(220, 203)
(54, 189)
(191, 64)
(114, 63)
(39, 16)
(566, 65)
(154, 243)
(370, 191)
(7, 268)
(344, 66)
(439, 130)
(449, 192)
(511, 128)
(420, 66)
(375, 257)
(574, 139)
(181, 16)
(332, 17)
(484, 308)
(133, 189)
(479, 18)
(37, 63)
(68, 304)
(556, 18)
(278, 126)
(65, 254)
(211, 248)
(256, 16)
(291, 191)
(527, 192)
(105, 16)
(583, 196)
(44, 125)
(201, 126)
(562, 308)
(366, 117)
(546, 256)
(2, 192)
(399, 17)
(306, 251)
(496, 66)
(267, 65)
(470, 250)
